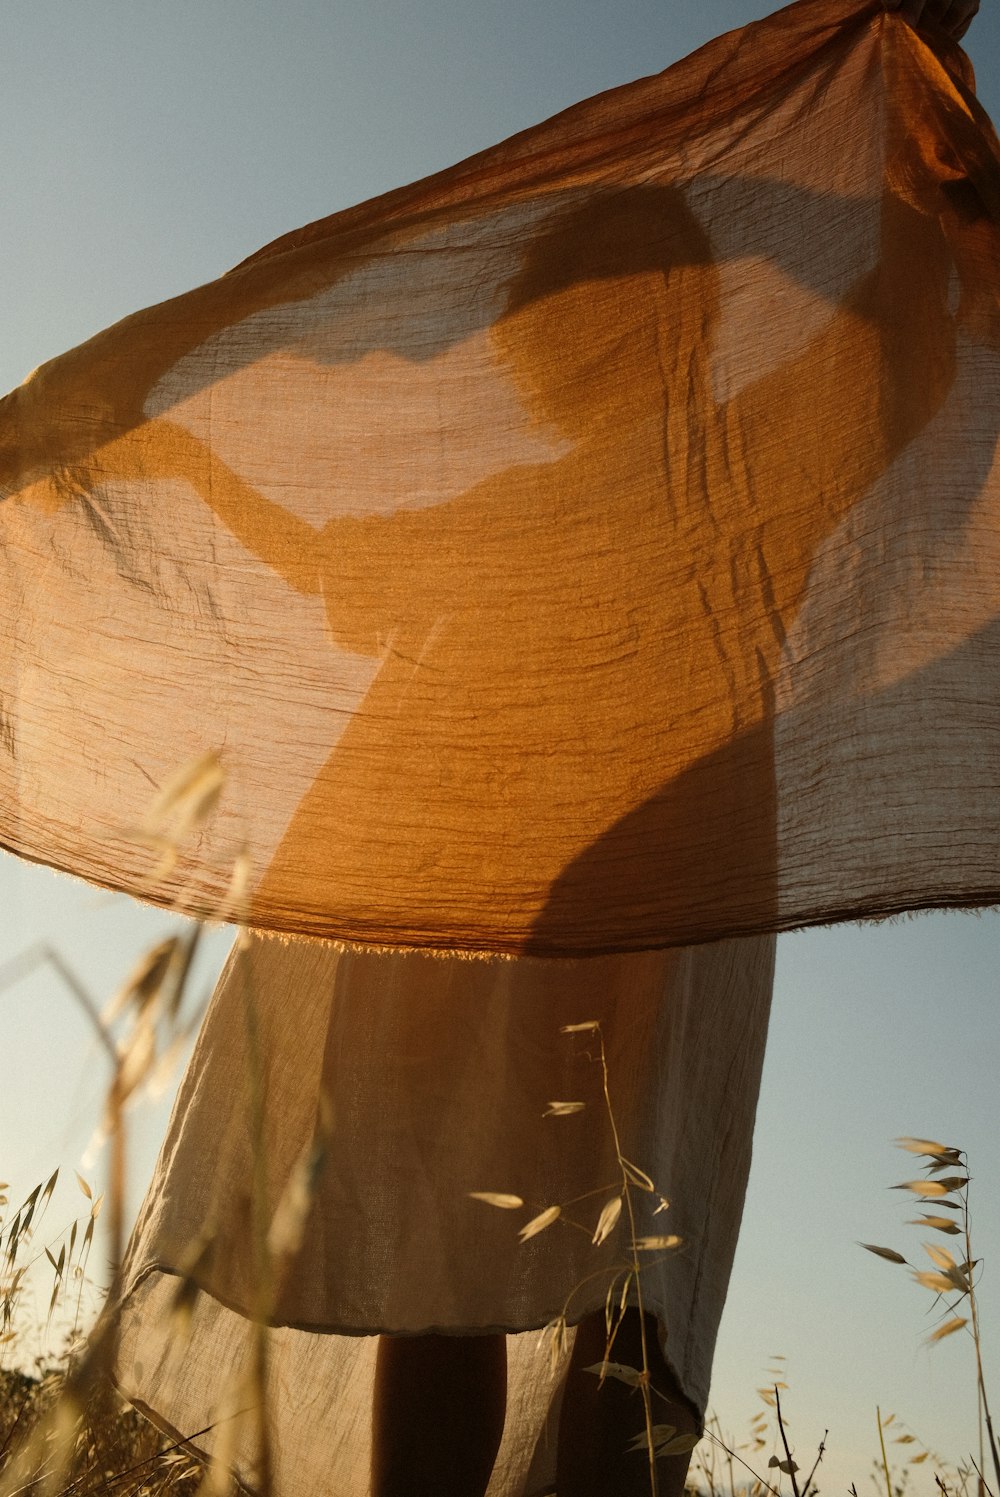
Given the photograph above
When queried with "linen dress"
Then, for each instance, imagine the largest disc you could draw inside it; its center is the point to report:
(438, 1073)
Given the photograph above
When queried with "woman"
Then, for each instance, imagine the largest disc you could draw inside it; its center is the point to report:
(410, 1084)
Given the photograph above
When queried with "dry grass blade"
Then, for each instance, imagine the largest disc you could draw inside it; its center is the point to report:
(931, 1187)
(944, 1283)
(42, 1460)
(556, 1333)
(636, 1176)
(788, 1465)
(235, 903)
(940, 1257)
(939, 1223)
(189, 794)
(496, 1198)
(617, 1370)
(138, 1054)
(679, 1445)
(656, 1244)
(663, 1439)
(540, 1222)
(586, 1028)
(144, 981)
(661, 1432)
(948, 1329)
(885, 1458)
(889, 1254)
(609, 1301)
(187, 799)
(607, 1221)
(946, 1162)
(923, 1146)
(562, 1109)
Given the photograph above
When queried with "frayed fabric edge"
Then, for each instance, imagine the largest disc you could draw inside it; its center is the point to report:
(371, 948)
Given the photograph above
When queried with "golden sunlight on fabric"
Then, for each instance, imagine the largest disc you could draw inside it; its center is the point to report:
(584, 550)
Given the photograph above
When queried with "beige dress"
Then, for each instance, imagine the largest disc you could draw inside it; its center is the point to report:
(438, 1074)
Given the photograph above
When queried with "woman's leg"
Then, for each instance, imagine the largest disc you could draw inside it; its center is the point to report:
(598, 1422)
(438, 1414)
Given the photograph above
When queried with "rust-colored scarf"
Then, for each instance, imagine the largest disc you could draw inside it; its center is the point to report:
(589, 548)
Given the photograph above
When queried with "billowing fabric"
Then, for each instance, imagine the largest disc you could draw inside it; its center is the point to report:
(438, 1073)
(589, 549)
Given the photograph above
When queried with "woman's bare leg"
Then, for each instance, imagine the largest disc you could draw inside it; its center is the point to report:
(598, 1422)
(438, 1414)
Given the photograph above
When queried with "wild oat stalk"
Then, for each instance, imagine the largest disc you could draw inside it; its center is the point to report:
(152, 994)
(784, 1463)
(656, 1439)
(149, 1001)
(881, 1470)
(953, 1282)
(45, 1456)
(663, 1439)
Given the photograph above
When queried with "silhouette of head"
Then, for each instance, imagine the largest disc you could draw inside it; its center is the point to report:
(602, 305)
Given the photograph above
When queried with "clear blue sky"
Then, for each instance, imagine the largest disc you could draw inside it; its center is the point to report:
(146, 149)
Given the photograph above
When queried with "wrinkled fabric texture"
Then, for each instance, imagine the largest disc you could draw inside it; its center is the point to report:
(590, 548)
(438, 1074)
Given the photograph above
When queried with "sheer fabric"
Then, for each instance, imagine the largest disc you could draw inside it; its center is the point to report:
(438, 1074)
(590, 548)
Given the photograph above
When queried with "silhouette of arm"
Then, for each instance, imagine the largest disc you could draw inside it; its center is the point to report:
(161, 450)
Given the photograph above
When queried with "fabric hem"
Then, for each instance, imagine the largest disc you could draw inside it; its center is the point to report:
(335, 1329)
(189, 1442)
(312, 1328)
